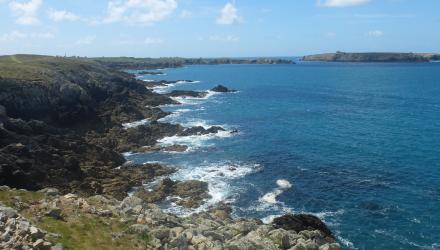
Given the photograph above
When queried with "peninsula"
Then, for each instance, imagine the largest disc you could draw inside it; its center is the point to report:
(373, 57)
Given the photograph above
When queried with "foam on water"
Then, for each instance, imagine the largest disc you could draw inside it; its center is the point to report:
(162, 89)
(270, 197)
(136, 123)
(188, 100)
(193, 141)
(218, 176)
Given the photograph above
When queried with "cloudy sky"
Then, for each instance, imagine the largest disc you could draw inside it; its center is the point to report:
(213, 28)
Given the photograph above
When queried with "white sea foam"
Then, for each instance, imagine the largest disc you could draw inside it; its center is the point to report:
(127, 154)
(162, 89)
(218, 176)
(271, 197)
(185, 81)
(189, 100)
(345, 242)
(193, 141)
(136, 123)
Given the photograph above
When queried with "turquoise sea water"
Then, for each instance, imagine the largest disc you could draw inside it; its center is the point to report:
(359, 143)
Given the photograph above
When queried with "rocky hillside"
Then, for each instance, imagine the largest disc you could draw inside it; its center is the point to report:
(367, 57)
(61, 125)
(98, 222)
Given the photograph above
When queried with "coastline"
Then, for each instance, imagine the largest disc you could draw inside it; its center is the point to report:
(102, 140)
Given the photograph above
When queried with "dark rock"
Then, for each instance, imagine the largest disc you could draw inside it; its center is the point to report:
(199, 130)
(222, 89)
(150, 73)
(301, 222)
(190, 93)
(192, 192)
(55, 213)
(175, 148)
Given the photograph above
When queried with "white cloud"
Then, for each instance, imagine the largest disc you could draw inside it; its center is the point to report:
(151, 40)
(17, 35)
(144, 12)
(26, 12)
(229, 38)
(13, 36)
(86, 40)
(62, 15)
(126, 40)
(341, 3)
(185, 14)
(375, 33)
(229, 15)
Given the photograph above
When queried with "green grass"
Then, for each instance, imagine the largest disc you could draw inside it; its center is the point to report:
(77, 230)
(41, 68)
(9, 197)
(92, 232)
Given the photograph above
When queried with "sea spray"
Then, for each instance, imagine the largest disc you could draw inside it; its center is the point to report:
(270, 197)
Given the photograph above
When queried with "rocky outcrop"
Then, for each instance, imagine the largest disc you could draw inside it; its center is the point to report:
(190, 194)
(190, 93)
(16, 232)
(222, 89)
(301, 222)
(149, 73)
(143, 138)
(214, 229)
(60, 121)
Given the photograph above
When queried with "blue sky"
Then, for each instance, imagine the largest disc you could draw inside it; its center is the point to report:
(208, 28)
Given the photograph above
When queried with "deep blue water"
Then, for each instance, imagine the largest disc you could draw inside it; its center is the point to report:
(360, 144)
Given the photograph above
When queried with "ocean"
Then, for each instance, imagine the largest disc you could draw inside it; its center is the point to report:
(356, 144)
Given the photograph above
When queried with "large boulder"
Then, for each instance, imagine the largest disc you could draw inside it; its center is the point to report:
(301, 222)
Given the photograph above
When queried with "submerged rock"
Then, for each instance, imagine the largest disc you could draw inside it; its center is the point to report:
(222, 89)
(190, 93)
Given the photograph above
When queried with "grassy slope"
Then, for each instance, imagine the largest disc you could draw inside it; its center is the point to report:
(78, 230)
(38, 68)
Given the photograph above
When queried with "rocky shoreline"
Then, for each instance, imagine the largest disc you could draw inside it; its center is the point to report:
(61, 128)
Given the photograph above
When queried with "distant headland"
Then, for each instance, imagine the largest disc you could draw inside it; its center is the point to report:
(373, 57)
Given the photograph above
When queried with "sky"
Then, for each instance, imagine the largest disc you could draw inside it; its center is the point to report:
(220, 28)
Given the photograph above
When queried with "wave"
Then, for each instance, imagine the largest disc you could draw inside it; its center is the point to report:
(188, 100)
(136, 123)
(175, 114)
(186, 81)
(193, 141)
(270, 197)
(345, 242)
(162, 89)
(218, 176)
(404, 240)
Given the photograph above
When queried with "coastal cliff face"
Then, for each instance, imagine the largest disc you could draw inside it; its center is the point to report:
(368, 57)
(62, 136)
